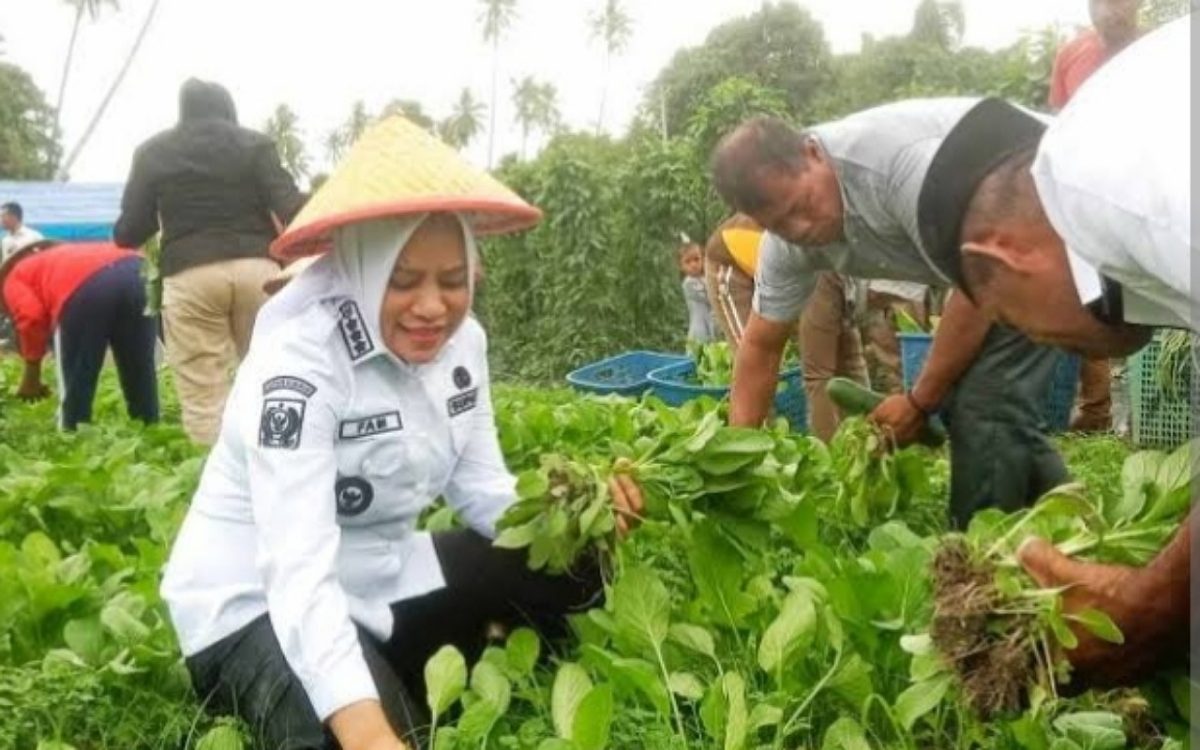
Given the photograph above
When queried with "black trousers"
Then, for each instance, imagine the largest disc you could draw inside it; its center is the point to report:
(245, 674)
(107, 310)
(1000, 455)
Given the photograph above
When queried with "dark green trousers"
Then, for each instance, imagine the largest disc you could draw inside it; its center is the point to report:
(1000, 455)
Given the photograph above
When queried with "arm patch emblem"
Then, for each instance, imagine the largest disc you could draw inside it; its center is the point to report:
(281, 423)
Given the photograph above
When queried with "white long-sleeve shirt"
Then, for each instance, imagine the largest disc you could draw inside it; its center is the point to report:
(1113, 173)
(330, 449)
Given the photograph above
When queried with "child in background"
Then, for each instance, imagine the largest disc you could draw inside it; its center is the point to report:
(701, 327)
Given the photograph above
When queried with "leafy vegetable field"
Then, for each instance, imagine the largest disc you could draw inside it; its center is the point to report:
(779, 594)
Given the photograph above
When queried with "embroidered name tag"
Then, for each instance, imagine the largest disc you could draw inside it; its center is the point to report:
(463, 402)
(354, 331)
(289, 383)
(353, 429)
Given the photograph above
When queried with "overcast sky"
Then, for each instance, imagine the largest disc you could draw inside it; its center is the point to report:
(321, 56)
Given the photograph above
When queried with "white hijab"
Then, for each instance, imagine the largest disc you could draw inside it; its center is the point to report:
(360, 264)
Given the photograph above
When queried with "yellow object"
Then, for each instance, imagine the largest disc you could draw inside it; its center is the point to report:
(743, 246)
(398, 169)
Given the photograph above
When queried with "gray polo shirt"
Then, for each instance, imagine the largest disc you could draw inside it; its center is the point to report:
(881, 156)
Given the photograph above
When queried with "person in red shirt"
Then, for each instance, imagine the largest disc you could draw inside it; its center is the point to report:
(1115, 26)
(81, 298)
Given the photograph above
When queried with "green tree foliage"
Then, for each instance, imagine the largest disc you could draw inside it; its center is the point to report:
(537, 107)
(284, 128)
(613, 27)
(29, 149)
(465, 122)
(781, 47)
(938, 24)
(410, 109)
(1157, 12)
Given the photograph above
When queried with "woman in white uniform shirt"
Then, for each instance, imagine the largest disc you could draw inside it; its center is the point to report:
(304, 598)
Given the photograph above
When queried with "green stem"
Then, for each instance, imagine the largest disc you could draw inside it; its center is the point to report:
(808, 699)
(666, 677)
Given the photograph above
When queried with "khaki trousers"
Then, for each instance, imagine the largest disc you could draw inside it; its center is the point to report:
(882, 345)
(208, 316)
(830, 346)
(1095, 396)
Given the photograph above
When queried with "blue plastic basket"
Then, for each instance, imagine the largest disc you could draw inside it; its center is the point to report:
(625, 374)
(914, 348)
(1056, 404)
(675, 385)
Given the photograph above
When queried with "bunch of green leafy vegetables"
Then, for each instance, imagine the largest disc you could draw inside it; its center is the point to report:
(1001, 634)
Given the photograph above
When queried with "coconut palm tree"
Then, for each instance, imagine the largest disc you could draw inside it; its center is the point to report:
(357, 122)
(335, 146)
(65, 169)
(614, 28)
(465, 122)
(410, 109)
(496, 17)
(90, 8)
(283, 128)
(537, 107)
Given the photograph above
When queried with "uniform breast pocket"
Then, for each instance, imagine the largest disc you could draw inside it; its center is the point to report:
(382, 478)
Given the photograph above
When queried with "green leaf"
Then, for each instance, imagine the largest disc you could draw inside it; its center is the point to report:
(85, 638)
(791, 629)
(117, 619)
(1093, 730)
(1062, 632)
(523, 648)
(764, 715)
(686, 684)
(517, 537)
(693, 638)
(1098, 624)
(571, 685)
(532, 485)
(490, 684)
(845, 734)
(593, 719)
(57, 745)
(642, 607)
(221, 737)
(445, 679)
(920, 699)
(736, 719)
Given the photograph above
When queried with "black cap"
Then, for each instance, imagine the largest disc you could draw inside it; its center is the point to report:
(988, 134)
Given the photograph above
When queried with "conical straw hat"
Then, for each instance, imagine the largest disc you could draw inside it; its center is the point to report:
(397, 168)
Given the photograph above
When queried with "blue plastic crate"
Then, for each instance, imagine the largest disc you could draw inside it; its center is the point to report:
(675, 385)
(1056, 404)
(625, 374)
(914, 349)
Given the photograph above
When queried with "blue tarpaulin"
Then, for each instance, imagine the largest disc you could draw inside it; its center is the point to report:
(68, 211)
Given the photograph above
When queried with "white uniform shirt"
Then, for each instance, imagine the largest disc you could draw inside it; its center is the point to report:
(330, 448)
(13, 241)
(1113, 174)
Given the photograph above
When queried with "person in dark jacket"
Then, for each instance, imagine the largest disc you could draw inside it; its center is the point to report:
(217, 192)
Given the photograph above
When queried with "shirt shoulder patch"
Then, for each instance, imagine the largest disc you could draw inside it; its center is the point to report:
(354, 330)
(377, 424)
(289, 383)
(281, 423)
